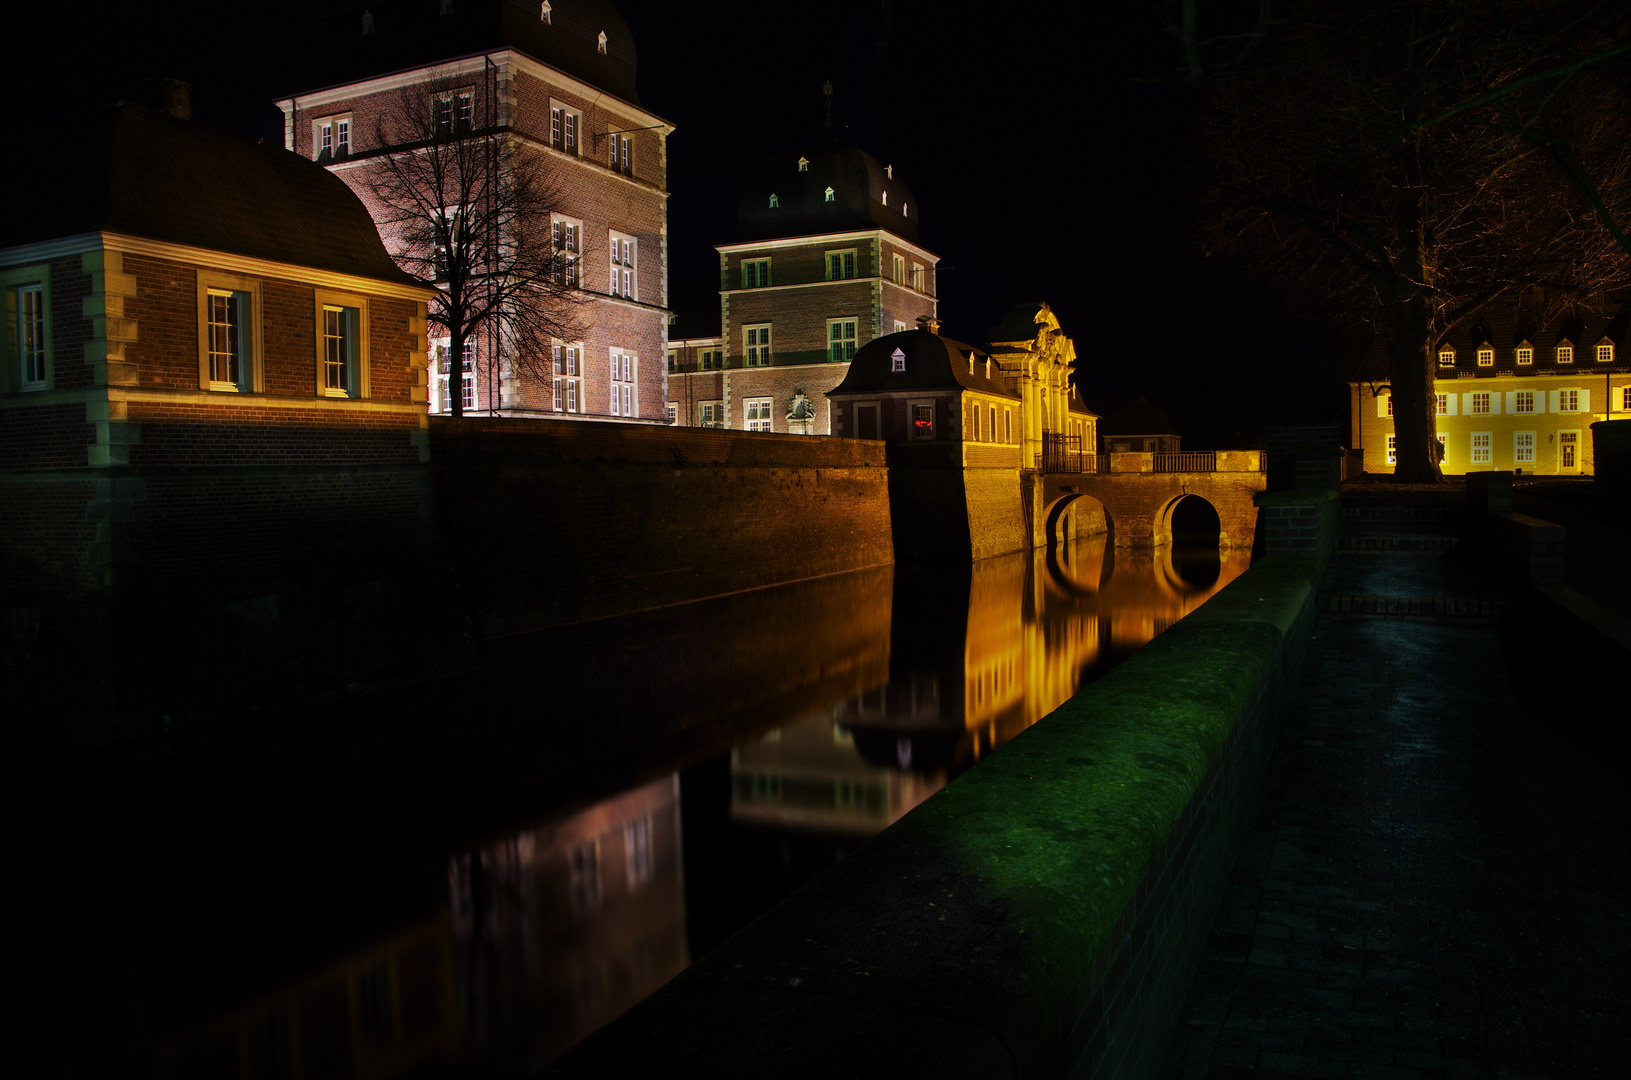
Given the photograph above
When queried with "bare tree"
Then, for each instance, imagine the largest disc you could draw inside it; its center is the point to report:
(1363, 159)
(462, 202)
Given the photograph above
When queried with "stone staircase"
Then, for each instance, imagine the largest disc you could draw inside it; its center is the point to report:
(1396, 558)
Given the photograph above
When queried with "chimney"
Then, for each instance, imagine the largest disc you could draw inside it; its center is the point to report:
(932, 325)
(168, 95)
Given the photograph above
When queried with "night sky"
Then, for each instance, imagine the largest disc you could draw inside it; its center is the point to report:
(1044, 144)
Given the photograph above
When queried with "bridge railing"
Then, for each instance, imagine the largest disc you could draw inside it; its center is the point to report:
(1188, 461)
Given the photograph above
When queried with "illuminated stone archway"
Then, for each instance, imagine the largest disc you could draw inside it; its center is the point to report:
(1068, 518)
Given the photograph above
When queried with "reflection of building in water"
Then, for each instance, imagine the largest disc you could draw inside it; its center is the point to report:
(809, 776)
(560, 928)
(385, 1011)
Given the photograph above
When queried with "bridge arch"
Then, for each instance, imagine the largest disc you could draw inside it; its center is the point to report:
(1191, 561)
(1068, 517)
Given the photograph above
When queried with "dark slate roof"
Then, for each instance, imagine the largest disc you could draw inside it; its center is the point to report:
(414, 33)
(1138, 418)
(134, 170)
(1504, 330)
(802, 209)
(932, 363)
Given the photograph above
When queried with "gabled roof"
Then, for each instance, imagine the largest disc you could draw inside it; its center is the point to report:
(130, 169)
(932, 363)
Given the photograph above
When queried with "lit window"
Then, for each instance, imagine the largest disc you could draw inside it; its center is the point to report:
(1526, 354)
(922, 421)
(28, 329)
(332, 137)
(342, 332)
(564, 125)
(841, 339)
(1486, 357)
(1523, 448)
(711, 414)
(568, 237)
(900, 327)
(1390, 405)
(1392, 449)
(624, 281)
(1441, 405)
(774, 202)
(829, 195)
(1446, 358)
(755, 273)
(624, 367)
(1625, 398)
(757, 412)
(566, 360)
(804, 164)
(1565, 354)
(840, 265)
(544, 12)
(228, 333)
(897, 360)
(712, 358)
(756, 345)
(466, 378)
(920, 280)
(1523, 401)
(1568, 401)
(600, 42)
(1480, 447)
(1605, 353)
(1480, 403)
(622, 153)
(672, 412)
(899, 269)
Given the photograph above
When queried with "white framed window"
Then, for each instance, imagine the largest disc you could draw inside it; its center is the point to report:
(1480, 447)
(229, 333)
(566, 362)
(567, 234)
(1392, 449)
(600, 42)
(1446, 357)
(1486, 356)
(840, 265)
(342, 344)
(1625, 398)
(545, 12)
(1568, 400)
(1523, 401)
(756, 413)
(840, 340)
(829, 195)
(920, 277)
(1480, 403)
(624, 368)
(1389, 400)
(1565, 354)
(1441, 405)
(1526, 354)
(557, 394)
(464, 381)
(711, 414)
(898, 269)
(625, 250)
(897, 360)
(922, 420)
(756, 345)
(900, 327)
(671, 413)
(1568, 450)
(454, 109)
(712, 359)
(755, 273)
(804, 164)
(565, 125)
(621, 154)
(26, 344)
(1443, 447)
(1605, 352)
(1523, 447)
(331, 138)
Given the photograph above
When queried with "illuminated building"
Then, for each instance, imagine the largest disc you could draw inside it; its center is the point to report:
(1511, 392)
(559, 80)
(826, 258)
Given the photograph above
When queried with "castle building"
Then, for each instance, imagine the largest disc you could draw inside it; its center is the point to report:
(1511, 393)
(557, 79)
(825, 259)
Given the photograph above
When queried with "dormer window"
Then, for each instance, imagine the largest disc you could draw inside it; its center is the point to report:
(889, 171)
(1486, 356)
(897, 360)
(600, 42)
(447, 7)
(886, 198)
(367, 22)
(829, 195)
(1525, 353)
(902, 209)
(544, 12)
(1446, 357)
(1565, 353)
(1605, 352)
(804, 164)
(774, 202)
(988, 367)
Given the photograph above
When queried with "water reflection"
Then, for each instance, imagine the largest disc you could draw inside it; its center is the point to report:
(478, 903)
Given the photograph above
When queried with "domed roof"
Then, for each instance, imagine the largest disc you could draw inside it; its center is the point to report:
(411, 33)
(787, 194)
(1137, 418)
(134, 170)
(932, 363)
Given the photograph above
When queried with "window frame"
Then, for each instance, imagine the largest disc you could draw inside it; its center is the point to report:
(918, 433)
(565, 128)
(1477, 398)
(252, 380)
(1605, 352)
(750, 405)
(1486, 356)
(846, 259)
(623, 269)
(759, 278)
(358, 388)
(13, 283)
(1524, 355)
(625, 373)
(336, 130)
(1568, 400)
(1446, 357)
(1518, 448)
(1564, 353)
(897, 267)
(1482, 454)
(841, 349)
(758, 345)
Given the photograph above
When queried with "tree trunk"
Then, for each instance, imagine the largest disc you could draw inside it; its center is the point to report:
(455, 370)
(1415, 430)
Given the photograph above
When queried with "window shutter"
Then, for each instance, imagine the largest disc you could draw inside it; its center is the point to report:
(1585, 400)
(1466, 404)
(1449, 404)
(1556, 403)
(1495, 403)
(1381, 405)
(1511, 401)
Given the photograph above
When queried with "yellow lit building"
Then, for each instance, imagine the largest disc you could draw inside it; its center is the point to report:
(1510, 394)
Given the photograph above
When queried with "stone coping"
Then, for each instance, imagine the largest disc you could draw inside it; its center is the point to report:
(1298, 497)
(968, 938)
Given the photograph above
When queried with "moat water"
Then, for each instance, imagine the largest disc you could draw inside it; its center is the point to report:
(465, 878)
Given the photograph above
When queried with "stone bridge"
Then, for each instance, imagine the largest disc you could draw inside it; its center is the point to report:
(1125, 493)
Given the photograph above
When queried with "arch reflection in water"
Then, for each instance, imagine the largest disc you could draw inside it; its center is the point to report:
(973, 662)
